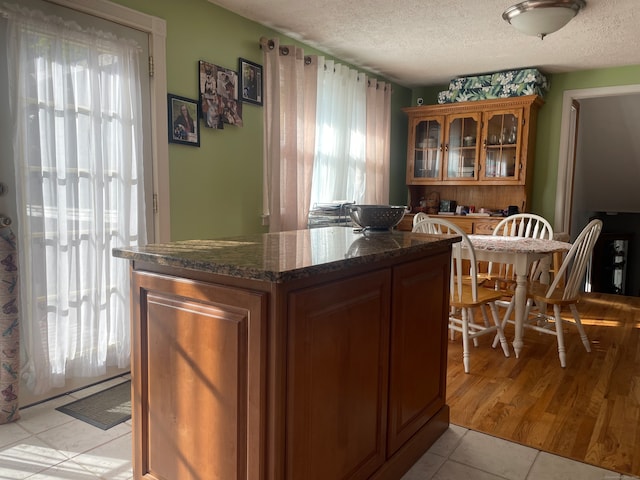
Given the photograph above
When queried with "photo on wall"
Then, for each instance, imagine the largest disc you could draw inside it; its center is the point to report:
(219, 96)
(183, 114)
(251, 81)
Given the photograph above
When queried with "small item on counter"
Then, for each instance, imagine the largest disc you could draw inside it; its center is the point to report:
(448, 205)
(432, 203)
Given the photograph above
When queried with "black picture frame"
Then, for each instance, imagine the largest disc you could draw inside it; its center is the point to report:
(250, 75)
(181, 129)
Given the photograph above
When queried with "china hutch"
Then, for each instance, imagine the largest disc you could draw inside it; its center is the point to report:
(477, 153)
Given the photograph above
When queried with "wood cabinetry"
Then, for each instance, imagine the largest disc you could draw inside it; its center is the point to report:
(468, 224)
(332, 376)
(197, 373)
(479, 153)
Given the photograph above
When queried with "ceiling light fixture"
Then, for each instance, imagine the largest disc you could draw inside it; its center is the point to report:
(542, 17)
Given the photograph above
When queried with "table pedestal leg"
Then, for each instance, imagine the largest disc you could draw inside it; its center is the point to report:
(521, 268)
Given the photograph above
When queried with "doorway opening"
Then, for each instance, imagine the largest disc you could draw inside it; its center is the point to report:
(597, 169)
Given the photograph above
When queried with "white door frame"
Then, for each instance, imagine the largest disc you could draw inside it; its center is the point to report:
(568, 132)
(156, 28)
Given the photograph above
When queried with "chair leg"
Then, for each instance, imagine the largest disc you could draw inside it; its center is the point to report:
(505, 320)
(542, 308)
(583, 335)
(500, 332)
(485, 317)
(471, 321)
(465, 340)
(452, 332)
(560, 334)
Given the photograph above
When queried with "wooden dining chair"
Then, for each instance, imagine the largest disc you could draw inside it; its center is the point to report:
(419, 217)
(466, 296)
(502, 277)
(526, 225)
(564, 291)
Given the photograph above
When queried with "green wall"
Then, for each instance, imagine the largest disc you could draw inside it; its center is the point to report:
(216, 190)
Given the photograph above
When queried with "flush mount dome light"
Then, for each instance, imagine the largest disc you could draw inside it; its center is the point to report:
(541, 17)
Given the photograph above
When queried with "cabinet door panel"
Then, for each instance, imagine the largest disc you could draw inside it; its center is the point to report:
(425, 157)
(461, 149)
(196, 377)
(338, 346)
(503, 133)
(417, 378)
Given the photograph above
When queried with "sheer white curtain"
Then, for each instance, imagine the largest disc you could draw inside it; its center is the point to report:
(77, 146)
(341, 122)
(290, 81)
(327, 130)
(353, 125)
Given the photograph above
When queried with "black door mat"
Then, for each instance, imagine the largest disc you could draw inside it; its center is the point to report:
(104, 409)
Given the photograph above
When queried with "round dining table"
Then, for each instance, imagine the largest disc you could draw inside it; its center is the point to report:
(521, 253)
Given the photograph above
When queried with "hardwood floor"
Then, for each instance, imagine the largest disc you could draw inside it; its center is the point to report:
(588, 411)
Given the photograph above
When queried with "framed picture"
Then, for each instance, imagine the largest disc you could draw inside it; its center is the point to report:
(219, 102)
(183, 116)
(250, 82)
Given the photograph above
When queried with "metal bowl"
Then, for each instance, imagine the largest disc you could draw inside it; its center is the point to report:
(377, 217)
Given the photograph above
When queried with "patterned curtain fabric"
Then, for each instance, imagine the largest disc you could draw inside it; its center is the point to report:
(9, 327)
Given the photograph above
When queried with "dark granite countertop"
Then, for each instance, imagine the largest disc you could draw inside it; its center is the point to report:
(279, 257)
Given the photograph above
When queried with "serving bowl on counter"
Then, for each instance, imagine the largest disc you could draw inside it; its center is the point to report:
(377, 217)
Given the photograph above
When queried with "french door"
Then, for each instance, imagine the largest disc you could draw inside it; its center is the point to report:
(8, 201)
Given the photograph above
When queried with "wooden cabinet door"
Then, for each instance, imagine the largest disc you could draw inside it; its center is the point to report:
(461, 158)
(337, 357)
(418, 363)
(502, 139)
(196, 366)
(425, 149)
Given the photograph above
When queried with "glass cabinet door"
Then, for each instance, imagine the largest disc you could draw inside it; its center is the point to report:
(502, 145)
(427, 162)
(461, 148)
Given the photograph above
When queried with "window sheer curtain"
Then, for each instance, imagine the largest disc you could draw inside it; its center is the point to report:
(353, 125)
(290, 82)
(77, 147)
(327, 131)
(339, 164)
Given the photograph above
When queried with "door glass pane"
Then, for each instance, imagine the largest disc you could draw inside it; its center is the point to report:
(502, 137)
(427, 149)
(462, 151)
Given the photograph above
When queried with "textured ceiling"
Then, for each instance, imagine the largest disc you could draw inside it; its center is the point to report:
(428, 42)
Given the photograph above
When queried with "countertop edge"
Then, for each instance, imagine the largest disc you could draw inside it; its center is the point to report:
(419, 243)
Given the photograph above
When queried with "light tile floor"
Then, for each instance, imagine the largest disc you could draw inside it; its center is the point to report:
(47, 444)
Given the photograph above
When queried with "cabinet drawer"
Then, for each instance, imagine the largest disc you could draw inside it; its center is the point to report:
(485, 227)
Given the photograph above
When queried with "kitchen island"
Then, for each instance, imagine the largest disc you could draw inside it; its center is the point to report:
(311, 354)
